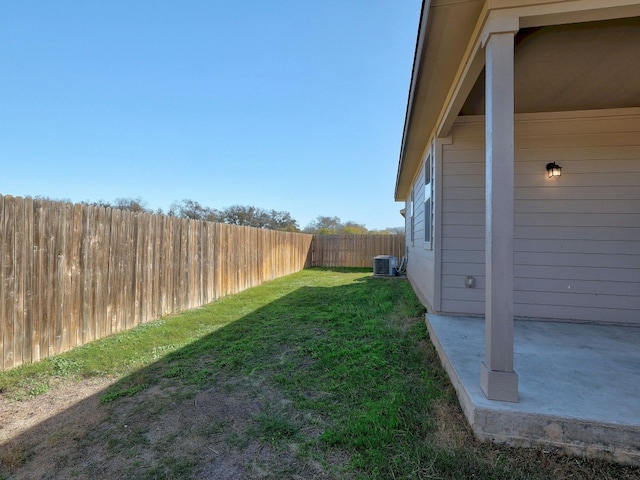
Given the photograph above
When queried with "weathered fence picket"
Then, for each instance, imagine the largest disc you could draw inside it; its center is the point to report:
(70, 274)
(354, 250)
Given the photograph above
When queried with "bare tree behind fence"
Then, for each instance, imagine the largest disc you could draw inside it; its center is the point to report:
(70, 274)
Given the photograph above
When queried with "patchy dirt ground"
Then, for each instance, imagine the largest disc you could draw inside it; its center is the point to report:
(165, 431)
(34, 430)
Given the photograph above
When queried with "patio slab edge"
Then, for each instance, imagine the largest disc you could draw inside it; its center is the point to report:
(586, 438)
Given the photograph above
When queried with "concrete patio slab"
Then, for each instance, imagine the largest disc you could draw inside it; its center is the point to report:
(579, 385)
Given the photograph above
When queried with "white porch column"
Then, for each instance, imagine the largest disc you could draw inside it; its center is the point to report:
(497, 378)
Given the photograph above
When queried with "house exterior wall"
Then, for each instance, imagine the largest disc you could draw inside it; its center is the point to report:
(420, 255)
(577, 237)
(463, 218)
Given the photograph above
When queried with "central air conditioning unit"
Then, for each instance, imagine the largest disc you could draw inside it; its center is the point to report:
(385, 266)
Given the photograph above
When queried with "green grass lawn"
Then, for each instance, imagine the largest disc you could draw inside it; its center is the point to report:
(328, 373)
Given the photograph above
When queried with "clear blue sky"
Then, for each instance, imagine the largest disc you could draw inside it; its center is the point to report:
(293, 105)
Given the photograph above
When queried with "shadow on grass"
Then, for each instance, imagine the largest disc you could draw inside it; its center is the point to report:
(265, 396)
(333, 380)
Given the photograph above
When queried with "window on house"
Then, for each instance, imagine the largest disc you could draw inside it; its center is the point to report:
(412, 217)
(428, 210)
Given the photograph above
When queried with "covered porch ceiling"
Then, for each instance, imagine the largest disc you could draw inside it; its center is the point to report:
(563, 62)
(582, 66)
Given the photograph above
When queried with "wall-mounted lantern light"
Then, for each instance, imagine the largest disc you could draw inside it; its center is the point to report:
(554, 170)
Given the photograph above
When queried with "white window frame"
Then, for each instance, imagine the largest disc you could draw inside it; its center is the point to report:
(428, 202)
(412, 216)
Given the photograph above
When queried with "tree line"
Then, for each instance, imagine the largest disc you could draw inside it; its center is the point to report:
(244, 215)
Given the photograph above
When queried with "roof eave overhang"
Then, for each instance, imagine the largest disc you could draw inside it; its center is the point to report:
(417, 59)
(443, 37)
(450, 42)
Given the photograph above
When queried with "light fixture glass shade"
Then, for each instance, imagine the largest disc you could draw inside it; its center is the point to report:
(554, 170)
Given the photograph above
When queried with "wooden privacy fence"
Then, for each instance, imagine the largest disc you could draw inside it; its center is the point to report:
(354, 250)
(70, 274)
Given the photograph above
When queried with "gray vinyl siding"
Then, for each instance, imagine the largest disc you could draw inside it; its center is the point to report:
(576, 238)
(463, 221)
(420, 268)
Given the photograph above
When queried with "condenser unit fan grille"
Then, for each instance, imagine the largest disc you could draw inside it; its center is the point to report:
(385, 265)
